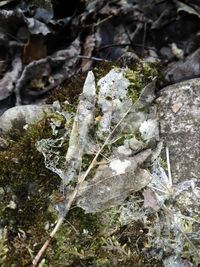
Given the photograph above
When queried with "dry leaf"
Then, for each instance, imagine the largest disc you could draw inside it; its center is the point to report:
(114, 182)
(150, 200)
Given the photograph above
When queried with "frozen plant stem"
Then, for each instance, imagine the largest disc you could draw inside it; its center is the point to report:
(72, 197)
(171, 214)
(168, 167)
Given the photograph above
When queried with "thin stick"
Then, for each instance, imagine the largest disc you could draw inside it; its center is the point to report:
(168, 167)
(153, 187)
(42, 251)
(144, 39)
(39, 255)
(93, 58)
(103, 20)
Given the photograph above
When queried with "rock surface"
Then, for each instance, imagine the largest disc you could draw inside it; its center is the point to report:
(27, 114)
(179, 112)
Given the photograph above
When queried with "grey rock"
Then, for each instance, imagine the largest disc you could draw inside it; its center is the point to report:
(135, 144)
(176, 262)
(3, 143)
(2, 193)
(179, 112)
(27, 114)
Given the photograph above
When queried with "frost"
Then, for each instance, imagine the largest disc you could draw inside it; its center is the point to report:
(171, 214)
(149, 130)
(174, 261)
(119, 166)
(53, 158)
(113, 99)
(132, 210)
(83, 122)
(52, 148)
(114, 84)
(121, 174)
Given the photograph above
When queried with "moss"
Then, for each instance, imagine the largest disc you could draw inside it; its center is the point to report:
(103, 68)
(138, 136)
(58, 119)
(68, 91)
(120, 140)
(3, 246)
(28, 184)
(163, 164)
(74, 242)
(139, 75)
(99, 240)
(87, 159)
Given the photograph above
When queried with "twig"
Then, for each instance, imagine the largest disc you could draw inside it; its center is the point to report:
(168, 167)
(94, 58)
(72, 198)
(38, 257)
(144, 38)
(126, 44)
(104, 20)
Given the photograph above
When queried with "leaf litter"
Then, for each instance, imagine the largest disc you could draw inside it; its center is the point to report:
(113, 102)
(131, 146)
(120, 172)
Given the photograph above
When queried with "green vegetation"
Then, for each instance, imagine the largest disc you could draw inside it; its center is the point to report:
(27, 185)
(139, 75)
(69, 91)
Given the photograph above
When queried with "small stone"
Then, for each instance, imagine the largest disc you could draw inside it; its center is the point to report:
(135, 144)
(122, 150)
(3, 144)
(27, 114)
(2, 193)
(12, 205)
(176, 107)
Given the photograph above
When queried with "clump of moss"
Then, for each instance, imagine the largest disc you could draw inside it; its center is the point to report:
(68, 91)
(139, 75)
(27, 185)
(84, 239)
(103, 68)
(99, 240)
